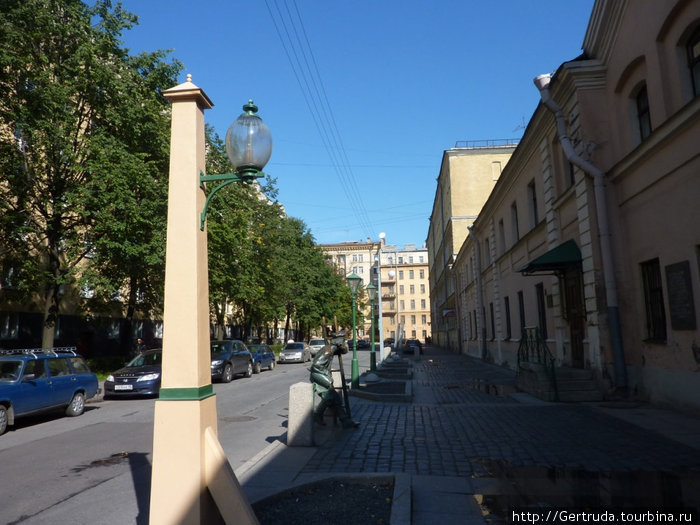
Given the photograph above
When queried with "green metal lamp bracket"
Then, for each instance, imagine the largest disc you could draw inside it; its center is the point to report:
(227, 178)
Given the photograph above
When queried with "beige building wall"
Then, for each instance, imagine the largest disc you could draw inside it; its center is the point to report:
(631, 106)
(405, 292)
(354, 257)
(467, 175)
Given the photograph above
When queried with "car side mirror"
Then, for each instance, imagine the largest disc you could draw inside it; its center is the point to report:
(28, 377)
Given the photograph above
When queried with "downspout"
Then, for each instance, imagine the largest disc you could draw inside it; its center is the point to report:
(598, 176)
(479, 294)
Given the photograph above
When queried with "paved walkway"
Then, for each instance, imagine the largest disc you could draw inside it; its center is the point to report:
(468, 447)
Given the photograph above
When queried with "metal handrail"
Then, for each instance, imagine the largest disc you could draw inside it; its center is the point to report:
(533, 349)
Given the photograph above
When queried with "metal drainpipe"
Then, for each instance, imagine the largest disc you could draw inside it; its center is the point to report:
(598, 176)
(479, 294)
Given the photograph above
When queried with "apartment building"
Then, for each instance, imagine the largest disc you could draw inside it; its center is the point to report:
(401, 275)
(405, 293)
(468, 173)
(592, 233)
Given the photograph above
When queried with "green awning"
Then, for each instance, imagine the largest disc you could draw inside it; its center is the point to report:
(555, 260)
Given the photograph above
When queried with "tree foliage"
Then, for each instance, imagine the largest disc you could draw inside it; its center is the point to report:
(84, 159)
(83, 149)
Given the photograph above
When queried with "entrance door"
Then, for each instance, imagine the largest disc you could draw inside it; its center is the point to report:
(575, 313)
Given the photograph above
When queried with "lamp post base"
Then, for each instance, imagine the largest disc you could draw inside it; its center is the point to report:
(355, 373)
(373, 361)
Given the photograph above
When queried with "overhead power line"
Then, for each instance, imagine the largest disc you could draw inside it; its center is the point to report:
(295, 42)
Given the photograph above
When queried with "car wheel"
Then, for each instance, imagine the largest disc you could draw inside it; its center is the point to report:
(249, 370)
(3, 419)
(227, 374)
(77, 405)
(257, 368)
(272, 364)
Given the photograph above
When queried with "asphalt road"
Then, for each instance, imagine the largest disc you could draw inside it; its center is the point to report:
(47, 460)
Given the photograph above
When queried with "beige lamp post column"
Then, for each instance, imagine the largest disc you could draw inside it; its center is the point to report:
(192, 481)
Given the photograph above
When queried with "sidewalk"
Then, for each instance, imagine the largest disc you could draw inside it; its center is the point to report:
(468, 448)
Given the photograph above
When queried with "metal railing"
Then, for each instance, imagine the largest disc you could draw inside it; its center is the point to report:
(533, 349)
(489, 143)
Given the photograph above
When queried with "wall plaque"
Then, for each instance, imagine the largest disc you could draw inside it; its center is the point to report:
(680, 296)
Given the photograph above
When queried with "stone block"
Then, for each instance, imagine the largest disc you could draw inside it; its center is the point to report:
(301, 423)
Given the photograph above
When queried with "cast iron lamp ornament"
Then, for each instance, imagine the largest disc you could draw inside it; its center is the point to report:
(372, 292)
(248, 146)
(354, 284)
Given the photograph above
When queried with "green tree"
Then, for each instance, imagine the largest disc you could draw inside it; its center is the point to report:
(82, 154)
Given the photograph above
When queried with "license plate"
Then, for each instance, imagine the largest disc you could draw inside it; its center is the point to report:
(123, 387)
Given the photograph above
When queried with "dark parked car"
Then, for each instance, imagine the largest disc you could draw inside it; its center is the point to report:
(140, 377)
(362, 344)
(263, 357)
(33, 381)
(230, 358)
(413, 345)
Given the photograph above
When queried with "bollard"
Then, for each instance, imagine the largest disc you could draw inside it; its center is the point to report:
(301, 423)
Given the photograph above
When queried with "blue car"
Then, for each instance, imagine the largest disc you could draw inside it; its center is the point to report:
(229, 358)
(263, 357)
(40, 380)
(140, 377)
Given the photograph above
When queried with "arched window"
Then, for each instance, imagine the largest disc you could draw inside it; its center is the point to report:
(693, 48)
(643, 116)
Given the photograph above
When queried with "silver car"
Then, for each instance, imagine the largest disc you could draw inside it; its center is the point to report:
(295, 353)
(316, 345)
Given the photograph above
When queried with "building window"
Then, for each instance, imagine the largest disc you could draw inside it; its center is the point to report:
(9, 326)
(694, 61)
(506, 307)
(413, 304)
(413, 319)
(541, 309)
(412, 289)
(643, 115)
(421, 273)
(521, 310)
(422, 288)
(487, 252)
(402, 304)
(400, 274)
(493, 322)
(532, 199)
(514, 222)
(423, 319)
(422, 304)
(410, 259)
(501, 237)
(654, 300)
(401, 289)
(410, 274)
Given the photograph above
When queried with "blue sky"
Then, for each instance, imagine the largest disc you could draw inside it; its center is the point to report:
(362, 97)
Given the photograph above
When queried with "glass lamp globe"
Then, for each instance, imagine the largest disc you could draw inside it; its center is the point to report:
(248, 142)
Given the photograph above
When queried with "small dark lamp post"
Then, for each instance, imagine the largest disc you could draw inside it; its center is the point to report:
(354, 284)
(372, 292)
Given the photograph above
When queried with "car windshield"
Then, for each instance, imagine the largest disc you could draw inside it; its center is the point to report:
(9, 370)
(256, 348)
(147, 359)
(219, 348)
(294, 346)
(317, 342)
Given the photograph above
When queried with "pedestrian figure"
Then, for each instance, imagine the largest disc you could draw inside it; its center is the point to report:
(323, 379)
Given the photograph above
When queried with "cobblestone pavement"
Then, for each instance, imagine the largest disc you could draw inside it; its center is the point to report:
(463, 423)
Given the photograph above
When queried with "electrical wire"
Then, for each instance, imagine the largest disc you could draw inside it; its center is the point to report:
(301, 58)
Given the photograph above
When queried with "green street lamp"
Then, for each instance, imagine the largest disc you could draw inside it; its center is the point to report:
(248, 146)
(372, 292)
(354, 284)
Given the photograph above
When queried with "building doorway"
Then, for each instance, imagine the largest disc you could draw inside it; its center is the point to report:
(575, 313)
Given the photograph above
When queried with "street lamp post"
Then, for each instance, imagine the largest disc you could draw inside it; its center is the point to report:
(354, 284)
(191, 478)
(372, 292)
